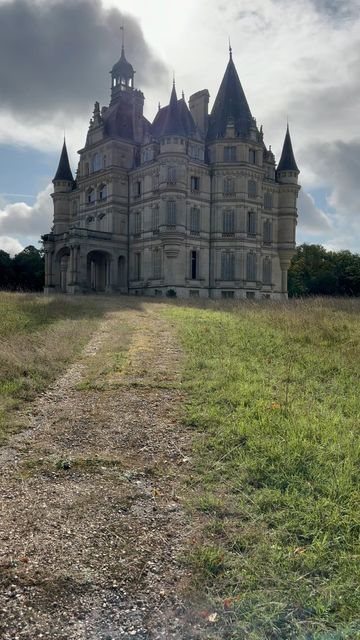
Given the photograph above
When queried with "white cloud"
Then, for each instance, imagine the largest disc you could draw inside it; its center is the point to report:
(21, 219)
(312, 220)
(10, 245)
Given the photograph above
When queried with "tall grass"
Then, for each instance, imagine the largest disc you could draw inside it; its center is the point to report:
(38, 337)
(275, 406)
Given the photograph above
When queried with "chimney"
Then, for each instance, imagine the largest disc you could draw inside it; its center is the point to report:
(198, 104)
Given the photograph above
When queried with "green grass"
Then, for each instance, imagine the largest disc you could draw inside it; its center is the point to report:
(39, 337)
(274, 403)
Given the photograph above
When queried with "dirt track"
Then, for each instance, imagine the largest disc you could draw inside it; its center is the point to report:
(92, 525)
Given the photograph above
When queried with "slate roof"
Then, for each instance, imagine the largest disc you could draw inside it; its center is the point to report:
(230, 104)
(287, 160)
(64, 171)
(174, 119)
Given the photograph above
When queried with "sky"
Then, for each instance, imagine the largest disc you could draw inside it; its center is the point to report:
(298, 61)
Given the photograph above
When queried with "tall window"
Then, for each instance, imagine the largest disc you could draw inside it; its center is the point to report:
(251, 223)
(171, 175)
(137, 223)
(267, 232)
(252, 189)
(229, 186)
(171, 213)
(251, 266)
(91, 196)
(137, 189)
(155, 181)
(267, 270)
(268, 200)
(156, 260)
(227, 266)
(229, 154)
(103, 192)
(194, 220)
(137, 266)
(252, 156)
(155, 219)
(193, 265)
(195, 183)
(96, 163)
(229, 222)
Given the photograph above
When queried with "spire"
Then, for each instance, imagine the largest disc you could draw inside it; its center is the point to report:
(287, 160)
(64, 171)
(230, 49)
(230, 104)
(173, 124)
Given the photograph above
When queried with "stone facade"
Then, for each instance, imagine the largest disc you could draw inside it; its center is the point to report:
(189, 205)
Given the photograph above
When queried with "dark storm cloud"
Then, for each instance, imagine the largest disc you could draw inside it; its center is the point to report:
(57, 56)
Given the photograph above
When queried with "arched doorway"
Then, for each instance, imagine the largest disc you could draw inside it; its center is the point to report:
(99, 271)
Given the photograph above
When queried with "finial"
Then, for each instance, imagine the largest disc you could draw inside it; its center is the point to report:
(122, 29)
(183, 94)
(159, 106)
(230, 49)
(174, 79)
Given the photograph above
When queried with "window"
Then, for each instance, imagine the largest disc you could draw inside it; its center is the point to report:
(194, 220)
(195, 183)
(96, 162)
(194, 293)
(252, 189)
(229, 186)
(147, 155)
(171, 175)
(137, 189)
(251, 266)
(91, 196)
(251, 223)
(228, 222)
(267, 231)
(75, 207)
(171, 213)
(268, 200)
(227, 266)
(103, 192)
(137, 223)
(250, 295)
(267, 270)
(155, 220)
(227, 295)
(156, 260)
(137, 266)
(252, 156)
(104, 162)
(229, 154)
(193, 265)
(155, 182)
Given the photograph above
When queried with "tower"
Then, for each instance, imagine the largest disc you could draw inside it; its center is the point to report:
(63, 184)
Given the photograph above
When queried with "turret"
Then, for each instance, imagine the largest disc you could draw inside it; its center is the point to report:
(287, 175)
(63, 184)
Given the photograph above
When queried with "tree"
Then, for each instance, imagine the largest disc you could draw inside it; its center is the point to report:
(6, 270)
(29, 269)
(315, 271)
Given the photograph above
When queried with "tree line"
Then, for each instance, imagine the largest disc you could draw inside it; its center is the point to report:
(24, 272)
(314, 271)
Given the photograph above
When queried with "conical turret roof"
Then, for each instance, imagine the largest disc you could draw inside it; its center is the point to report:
(230, 105)
(174, 124)
(287, 160)
(63, 170)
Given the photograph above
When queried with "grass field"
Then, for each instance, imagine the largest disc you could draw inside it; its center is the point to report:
(274, 404)
(39, 337)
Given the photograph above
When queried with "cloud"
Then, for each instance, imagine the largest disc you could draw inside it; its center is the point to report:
(10, 245)
(24, 220)
(55, 56)
(312, 220)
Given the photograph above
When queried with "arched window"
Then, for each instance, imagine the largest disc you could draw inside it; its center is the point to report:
(251, 266)
(267, 270)
(156, 264)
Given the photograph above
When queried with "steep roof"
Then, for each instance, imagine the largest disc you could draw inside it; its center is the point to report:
(230, 104)
(174, 119)
(64, 171)
(122, 66)
(287, 160)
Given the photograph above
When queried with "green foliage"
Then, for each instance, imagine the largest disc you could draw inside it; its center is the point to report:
(24, 272)
(275, 408)
(315, 271)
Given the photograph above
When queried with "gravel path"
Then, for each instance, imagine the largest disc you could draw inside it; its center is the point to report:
(92, 525)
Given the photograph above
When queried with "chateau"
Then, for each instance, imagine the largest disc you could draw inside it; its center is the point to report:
(191, 204)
